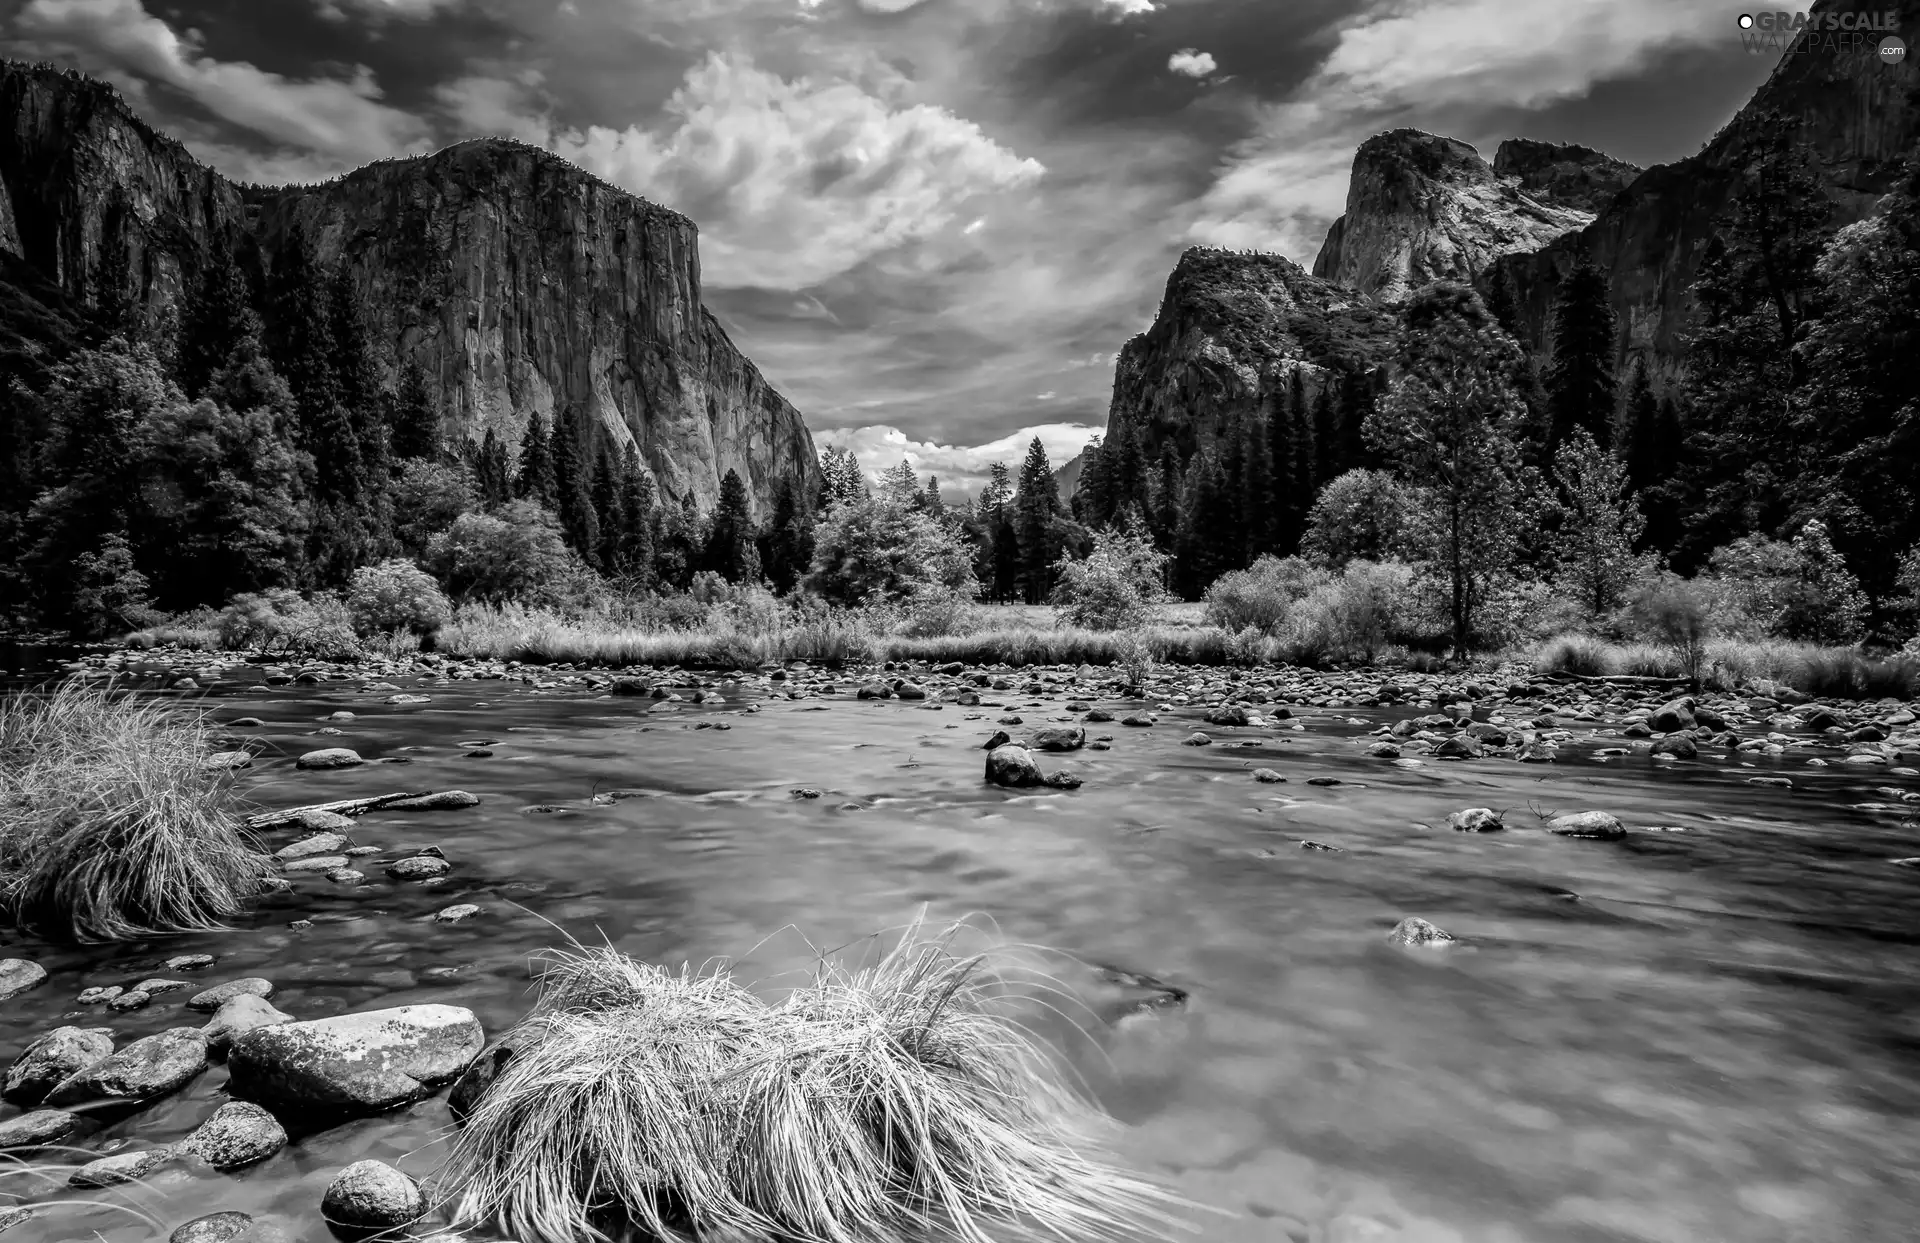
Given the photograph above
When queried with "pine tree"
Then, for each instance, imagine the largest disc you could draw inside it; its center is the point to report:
(534, 479)
(1580, 378)
(1126, 472)
(1601, 521)
(1256, 500)
(1638, 438)
(608, 498)
(1326, 436)
(1202, 553)
(1447, 426)
(1167, 499)
(1092, 501)
(730, 551)
(1036, 505)
(636, 509)
(841, 481)
(1356, 403)
(414, 426)
(930, 498)
(573, 471)
(493, 476)
(357, 378)
(789, 538)
(1000, 543)
(301, 339)
(214, 323)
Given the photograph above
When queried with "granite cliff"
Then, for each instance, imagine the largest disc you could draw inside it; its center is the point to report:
(1232, 330)
(1857, 117)
(519, 282)
(1422, 208)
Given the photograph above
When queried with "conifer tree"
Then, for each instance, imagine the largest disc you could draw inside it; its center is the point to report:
(1206, 514)
(493, 476)
(213, 324)
(414, 427)
(636, 507)
(1126, 472)
(357, 378)
(1002, 542)
(1167, 499)
(1601, 521)
(730, 551)
(301, 339)
(1256, 500)
(930, 498)
(1580, 378)
(1638, 439)
(1036, 506)
(789, 538)
(573, 471)
(1326, 436)
(608, 500)
(534, 479)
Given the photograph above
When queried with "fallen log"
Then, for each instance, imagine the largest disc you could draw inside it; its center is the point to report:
(344, 807)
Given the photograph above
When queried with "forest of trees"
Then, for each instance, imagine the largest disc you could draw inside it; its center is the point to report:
(253, 444)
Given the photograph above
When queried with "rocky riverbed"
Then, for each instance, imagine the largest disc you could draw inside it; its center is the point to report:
(1372, 957)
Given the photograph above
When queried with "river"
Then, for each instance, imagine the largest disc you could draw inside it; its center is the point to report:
(1707, 1031)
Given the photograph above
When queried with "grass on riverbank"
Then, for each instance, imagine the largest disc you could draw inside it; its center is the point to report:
(111, 824)
(1826, 672)
(895, 1101)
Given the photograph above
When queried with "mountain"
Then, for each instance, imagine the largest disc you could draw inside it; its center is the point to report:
(1563, 174)
(1066, 480)
(519, 282)
(1233, 329)
(1422, 208)
(1858, 118)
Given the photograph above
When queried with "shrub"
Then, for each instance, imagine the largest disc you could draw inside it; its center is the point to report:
(428, 498)
(644, 1103)
(1580, 654)
(1677, 613)
(519, 554)
(932, 611)
(112, 825)
(1351, 617)
(1262, 595)
(109, 594)
(282, 620)
(1799, 590)
(880, 548)
(1116, 586)
(396, 595)
(1363, 515)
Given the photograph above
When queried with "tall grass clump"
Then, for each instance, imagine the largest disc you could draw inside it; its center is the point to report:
(1582, 655)
(112, 825)
(872, 1105)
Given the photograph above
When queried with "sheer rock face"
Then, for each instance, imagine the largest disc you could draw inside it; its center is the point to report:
(1563, 174)
(519, 282)
(1855, 114)
(1232, 331)
(1422, 208)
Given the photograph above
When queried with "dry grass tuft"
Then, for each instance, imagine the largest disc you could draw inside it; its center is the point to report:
(111, 825)
(900, 1101)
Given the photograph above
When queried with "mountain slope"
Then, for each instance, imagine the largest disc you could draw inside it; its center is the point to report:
(518, 282)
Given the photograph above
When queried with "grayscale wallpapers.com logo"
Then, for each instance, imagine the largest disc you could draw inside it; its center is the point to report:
(1786, 34)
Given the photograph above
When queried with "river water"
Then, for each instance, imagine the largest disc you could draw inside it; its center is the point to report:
(1708, 1031)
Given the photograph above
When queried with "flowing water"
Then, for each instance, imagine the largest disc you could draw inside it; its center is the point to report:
(1708, 1031)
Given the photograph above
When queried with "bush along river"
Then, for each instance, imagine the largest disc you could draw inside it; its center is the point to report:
(1373, 957)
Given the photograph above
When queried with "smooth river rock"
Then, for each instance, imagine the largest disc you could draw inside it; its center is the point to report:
(330, 757)
(445, 800)
(121, 1167)
(17, 975)
(145, 1070)
(1476, 820)
(59, 1055)
(237, 1134)
(373, 1196)
(1008, 765)
(36, 1129)
(354, 1063)
(209, 1000)
(1599, 825)
(239, 1015)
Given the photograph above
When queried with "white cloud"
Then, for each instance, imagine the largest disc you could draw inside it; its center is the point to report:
(796, 181)
(961, 469)
(329, 117)
(407, 10)
(1192, 62)
(494, 107)
(1128, 7)
(1424, 63)
(1049, 395)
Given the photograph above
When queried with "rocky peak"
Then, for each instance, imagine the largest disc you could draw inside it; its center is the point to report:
(521, 283)
(1422, 207)
(1564, 174)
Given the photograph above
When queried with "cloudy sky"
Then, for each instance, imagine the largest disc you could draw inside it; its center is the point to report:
(930, 222)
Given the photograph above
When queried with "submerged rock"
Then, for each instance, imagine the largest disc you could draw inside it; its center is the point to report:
(445, 800)
(419, 867)
(36, 1129)
(355, 1063)
(56, 1056)
(17, 975)
(1267, 776)
(330, 757)
(311, 847)
(145, 1070)
(213, 1228)
(1059, 739)
(373, 1196)
(121, 1167)
(1418, 932)
(1600, 825)
(1476, 820)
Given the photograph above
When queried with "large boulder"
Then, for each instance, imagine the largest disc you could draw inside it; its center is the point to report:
(239, 1015)
(354, 1063)
(372, 1196)
(1009, 765)
(60, 1054)
(1227, 714)
(1671, 718)
(208, 1001)
(1679, 746)
(145, 1070)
